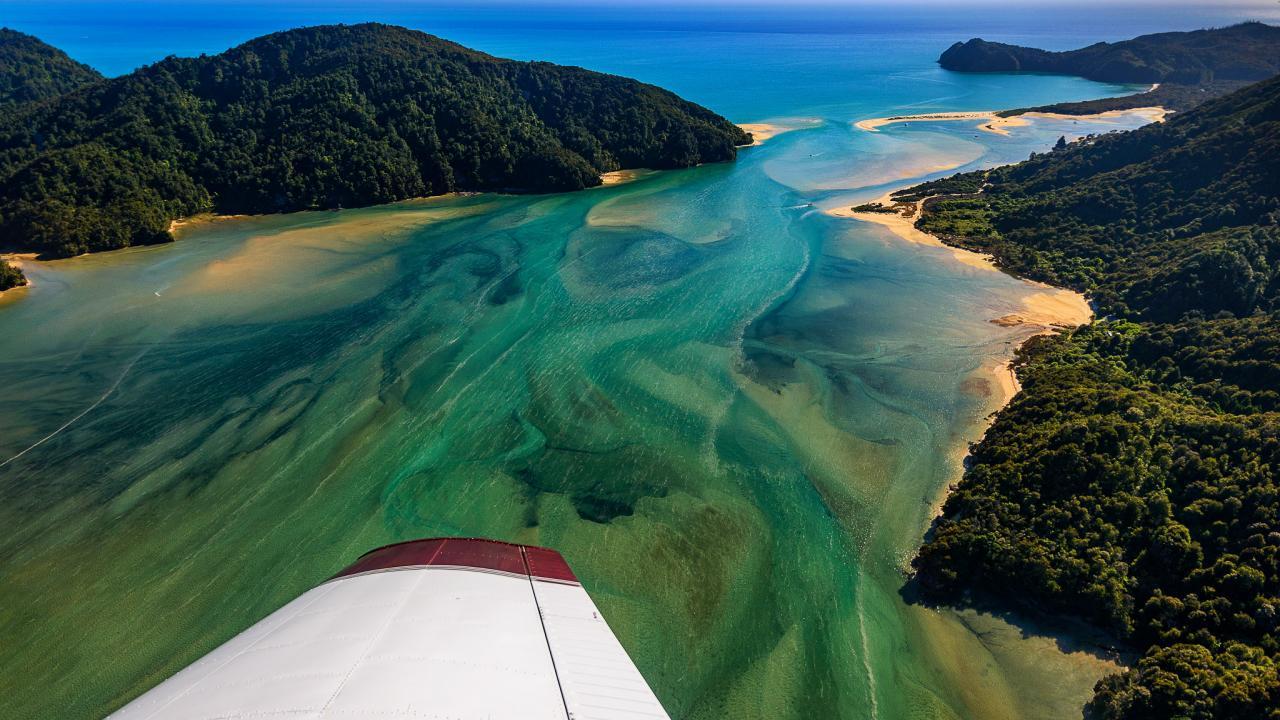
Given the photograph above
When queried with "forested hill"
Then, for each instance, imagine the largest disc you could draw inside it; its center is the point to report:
(33, 70)
(1190, 66)
(1171, 218)
(325, 117)
(1249, 51)
(1135, 482)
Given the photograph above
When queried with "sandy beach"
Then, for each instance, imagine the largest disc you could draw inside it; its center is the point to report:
(902, 222)
(1047, 308)
(1050, 308)
(874, 124)
(1000, 125)
(201, 219)
(762, 131)
(1044, 310)
(618, 177)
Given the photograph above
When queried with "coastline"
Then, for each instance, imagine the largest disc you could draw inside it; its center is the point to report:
(1047, 309)
(902, 223)
(621, 177)
(17, 260)
(180, 225)
(177, 225)
(195, 220)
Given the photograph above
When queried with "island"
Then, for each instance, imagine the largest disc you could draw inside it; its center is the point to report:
(323, 117)
(1134, 483)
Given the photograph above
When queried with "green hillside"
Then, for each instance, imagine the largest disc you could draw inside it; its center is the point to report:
(1190, 66)
(325, 117)
(1135, 482)
(31, 70)
(1248, 51)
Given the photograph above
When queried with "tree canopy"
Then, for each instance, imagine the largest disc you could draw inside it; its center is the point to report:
(325, 117)
(32, 70)
(1135, 482)
(1248, 52)
(1190, 67)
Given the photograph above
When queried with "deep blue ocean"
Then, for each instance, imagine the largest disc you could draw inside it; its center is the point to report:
(801, 57)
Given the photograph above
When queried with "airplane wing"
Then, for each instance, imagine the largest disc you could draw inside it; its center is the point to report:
(442, 628)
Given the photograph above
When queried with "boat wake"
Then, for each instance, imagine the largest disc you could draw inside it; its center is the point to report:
(114, 386)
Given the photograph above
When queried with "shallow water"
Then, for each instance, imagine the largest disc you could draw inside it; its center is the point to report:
(732, 413)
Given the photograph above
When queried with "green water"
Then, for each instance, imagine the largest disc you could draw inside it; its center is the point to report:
(732, 413)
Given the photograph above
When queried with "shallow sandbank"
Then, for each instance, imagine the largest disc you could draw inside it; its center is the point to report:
(619, 177)
(762, 131)
(186, 223)
(902, 222)
(995, 123)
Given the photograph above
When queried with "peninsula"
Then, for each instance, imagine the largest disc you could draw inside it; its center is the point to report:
(317, 118)
(1186, 68)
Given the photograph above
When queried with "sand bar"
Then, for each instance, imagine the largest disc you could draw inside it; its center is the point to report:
(619, 177)
(762, 131)
(902, 222)
(1000, 125)
(201, 219)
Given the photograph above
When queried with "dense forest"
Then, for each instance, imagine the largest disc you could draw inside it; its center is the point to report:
(324, 117)
(32, 70)
(1248, 51)
(1135, 482)
(1191, 67)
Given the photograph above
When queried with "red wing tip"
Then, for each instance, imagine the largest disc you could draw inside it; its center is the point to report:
(479, 553)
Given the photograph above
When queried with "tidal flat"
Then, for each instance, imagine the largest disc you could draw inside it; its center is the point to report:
(733, 413)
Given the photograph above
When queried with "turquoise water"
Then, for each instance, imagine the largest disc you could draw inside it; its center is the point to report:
(733, 413)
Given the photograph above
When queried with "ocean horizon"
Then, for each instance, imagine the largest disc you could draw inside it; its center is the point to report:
(117, 37)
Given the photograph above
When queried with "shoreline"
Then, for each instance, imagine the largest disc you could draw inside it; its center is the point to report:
(761, 132)
(1047, 309)
(999, 125)
(176, 225)
(903, 225)
(17, 260)
(194, 221)
(199, 219)
(621, 177)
